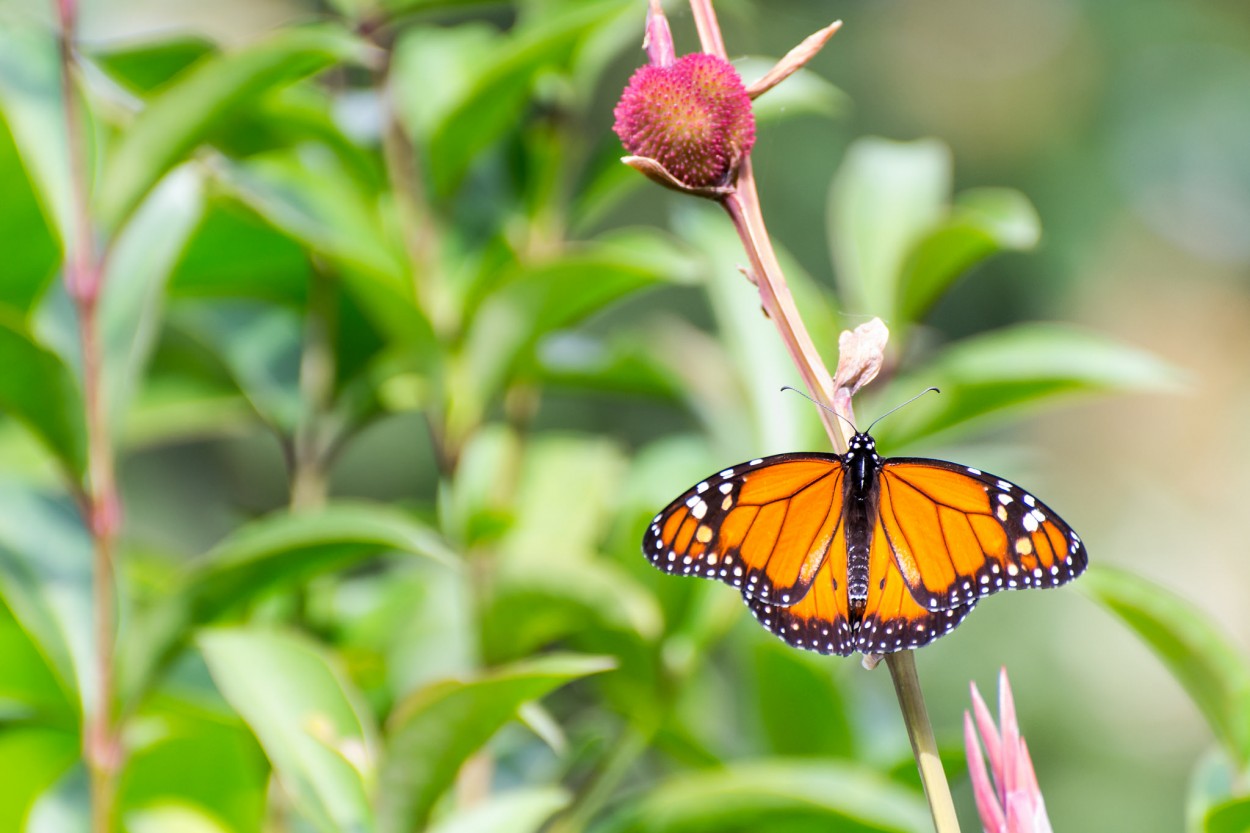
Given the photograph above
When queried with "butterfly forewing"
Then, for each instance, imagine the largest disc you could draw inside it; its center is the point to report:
(764, 527)
(957, 534)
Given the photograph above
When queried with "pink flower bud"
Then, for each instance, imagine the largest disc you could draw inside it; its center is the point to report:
(693, 118)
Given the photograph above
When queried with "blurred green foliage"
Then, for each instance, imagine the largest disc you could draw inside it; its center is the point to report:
(380, 322)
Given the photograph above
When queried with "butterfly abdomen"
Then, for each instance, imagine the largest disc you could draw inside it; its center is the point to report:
(860, 501)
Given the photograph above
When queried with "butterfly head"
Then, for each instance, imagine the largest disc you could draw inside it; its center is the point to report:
(862, 446)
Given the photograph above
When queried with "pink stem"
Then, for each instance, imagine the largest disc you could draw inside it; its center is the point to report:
(83, 274)
(743, 205)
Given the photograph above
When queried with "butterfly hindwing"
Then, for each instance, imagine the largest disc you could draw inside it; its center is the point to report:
(892, 619)
(764, 527)
(957, 534)
(820, 620)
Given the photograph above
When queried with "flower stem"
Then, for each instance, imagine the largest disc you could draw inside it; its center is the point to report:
(84, 271)
(902, 665)
(744, 209)
(309, 475)
(743, 206)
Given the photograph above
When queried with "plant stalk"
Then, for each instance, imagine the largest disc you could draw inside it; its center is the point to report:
(902, 665)
(84, 271)
(309, 457)
(743, 206)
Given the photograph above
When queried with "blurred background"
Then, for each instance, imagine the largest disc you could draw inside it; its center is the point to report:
(1127, 128)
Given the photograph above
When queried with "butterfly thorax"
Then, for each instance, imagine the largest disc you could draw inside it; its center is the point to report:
(860, 494)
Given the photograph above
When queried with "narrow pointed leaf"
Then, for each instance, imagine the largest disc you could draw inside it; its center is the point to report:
(884, 197)
(37, 389)
(436, 729)
(46, 579)
(63, 808)
(277, 551)
(32, 253)
(753, 796)
(139, 266)
(32, 759)
(1201, 656)
(1002, 370)
(30, 95)
(308, 718)
(518, 811)
(982, 223)
(190, 107)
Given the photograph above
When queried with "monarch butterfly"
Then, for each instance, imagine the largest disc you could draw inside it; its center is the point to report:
(838, 553)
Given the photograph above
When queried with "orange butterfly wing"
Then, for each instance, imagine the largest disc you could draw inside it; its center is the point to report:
(820, 621)
(956, 534)
(765, 527)
(892, 619)
(944, 536)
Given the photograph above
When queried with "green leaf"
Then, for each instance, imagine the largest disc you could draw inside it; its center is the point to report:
(396, 7)
(474, 508)
(146, 67)
(173, 817)
(537, 301)
(545, 534)
(289, 546)
(171, 410)
(1229, 817)
(517, 811)
(191, 757)
(32, 759)
(789, 686)
(277, 551)
(984, 222)
(531, 608)
(139, 265)
(31, 253)
(755, 796)
(1211, 784)
(39, 390)
(45, 579)
(1008, 369)
(884, 197)
(436, 729)
(234, 253)
(30, 95)
(308, 718)
(1201, 656)
(190, 108)
(404, 627)
(64, 807)
(260, 346)
(626, 365)
(463, 122)
(749, 414)
(308, 195)
(29, 688)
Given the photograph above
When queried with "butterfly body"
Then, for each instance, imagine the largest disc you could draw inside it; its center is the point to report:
(854, 552)
(862, 464)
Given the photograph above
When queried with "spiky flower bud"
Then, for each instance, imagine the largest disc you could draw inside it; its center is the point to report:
(693, 118)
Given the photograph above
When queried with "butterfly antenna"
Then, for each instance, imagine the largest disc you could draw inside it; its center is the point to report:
(822, 405)
(896, 407)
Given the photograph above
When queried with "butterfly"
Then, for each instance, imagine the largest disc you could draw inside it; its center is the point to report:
(838, 553)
